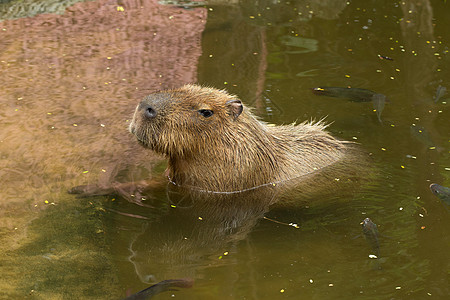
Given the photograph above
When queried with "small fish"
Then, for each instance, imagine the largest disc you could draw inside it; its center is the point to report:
(441, 192)
(353, 94)
(422, 135)
(370, 232)
(378, 101)
(163, 286)
(384, 57)
(441, 91)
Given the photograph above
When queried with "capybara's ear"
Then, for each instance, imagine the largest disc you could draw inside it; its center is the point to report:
(235, 107)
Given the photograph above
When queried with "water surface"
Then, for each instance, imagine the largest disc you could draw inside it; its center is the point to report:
(72, 73)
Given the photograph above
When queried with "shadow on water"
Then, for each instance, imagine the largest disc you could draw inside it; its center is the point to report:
(71, 74)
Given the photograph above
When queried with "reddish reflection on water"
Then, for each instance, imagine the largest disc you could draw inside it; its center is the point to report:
(69, 82)
(68, 85)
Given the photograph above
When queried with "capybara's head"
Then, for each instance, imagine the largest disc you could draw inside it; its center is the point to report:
(183, 121)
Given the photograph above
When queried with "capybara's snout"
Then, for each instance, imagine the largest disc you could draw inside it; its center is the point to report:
(154, 105)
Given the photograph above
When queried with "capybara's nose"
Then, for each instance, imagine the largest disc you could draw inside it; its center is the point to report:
(148, 110)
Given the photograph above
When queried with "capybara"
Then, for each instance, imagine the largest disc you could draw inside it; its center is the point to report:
(214, 143)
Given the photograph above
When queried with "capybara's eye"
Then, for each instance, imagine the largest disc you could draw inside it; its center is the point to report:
(206, 112)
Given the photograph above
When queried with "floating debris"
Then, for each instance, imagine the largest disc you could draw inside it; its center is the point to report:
(282, 223)
(384, 57)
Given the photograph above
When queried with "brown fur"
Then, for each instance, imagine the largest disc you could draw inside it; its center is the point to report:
(230, 150)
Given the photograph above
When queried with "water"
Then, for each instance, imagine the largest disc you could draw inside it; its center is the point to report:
(71, 75)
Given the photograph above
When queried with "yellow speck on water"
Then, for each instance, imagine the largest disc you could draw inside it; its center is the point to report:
(225, 253)
(252, 17)
(49, 113)
(200, 218)
(383, 149)
(282, 291)
(120, 8)
(346, 75)
(330, 284)
(75, 125)
(84, 172)
(103, 170)
(432, 148)
(99, 231)
(402, 167)
(173, 206)
(108, 57)
(46, 201)
(171, 17)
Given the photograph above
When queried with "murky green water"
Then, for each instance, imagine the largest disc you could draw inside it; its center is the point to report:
(71, 74)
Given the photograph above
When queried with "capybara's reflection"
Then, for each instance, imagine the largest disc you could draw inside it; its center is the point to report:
(197, 227)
